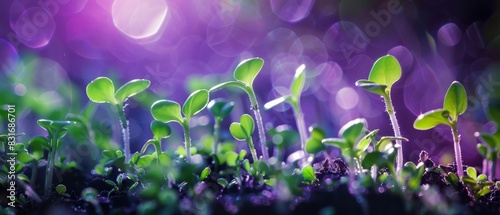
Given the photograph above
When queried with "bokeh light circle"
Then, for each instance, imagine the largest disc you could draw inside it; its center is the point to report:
(404, 56)
(139, 21)
(449, 34)
(8, 58)
(347, 98)
(35, 27)
(292, 10)
(345, 37)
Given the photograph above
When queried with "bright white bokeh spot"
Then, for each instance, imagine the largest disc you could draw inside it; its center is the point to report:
(139, 19)
(347, 98)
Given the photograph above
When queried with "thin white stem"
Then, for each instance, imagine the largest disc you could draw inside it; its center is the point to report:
(187, 140)
(395, 128)
(301, 126)
(262, 134)
(458, 151)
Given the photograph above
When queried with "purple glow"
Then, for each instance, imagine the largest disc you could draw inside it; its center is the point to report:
(292, 11)
(35, 27)
(449, 34)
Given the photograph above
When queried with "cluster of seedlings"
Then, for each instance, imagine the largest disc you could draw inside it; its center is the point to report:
(224, 180)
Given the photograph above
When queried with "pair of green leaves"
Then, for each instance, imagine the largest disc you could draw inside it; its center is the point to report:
(349, 133)
(55, 129)
(168, 110)
(296, 88)
(308, 173)
(478, 184)
(220, 107)
(384, 73)
(102, 90)
(244, 74)
(455, 104)
(313, 143)
(244, 129)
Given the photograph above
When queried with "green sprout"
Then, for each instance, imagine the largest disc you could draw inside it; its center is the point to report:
(160, 131)
(314, 143)
(56, 130)
(349, 133)
(477, 184)
(384, 73)
(243, 130)
(455, 104)
(491, 150)
(245, 74)
(102, 90)
(89, 194)
(170, 111)
(220, 108)
(294, 100)
(308, 174)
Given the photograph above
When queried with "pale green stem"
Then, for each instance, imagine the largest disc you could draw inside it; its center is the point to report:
(395, 128)
(187, 139)
(301, 126)
(252, 149)
(50, 166)
(260, 124)
(458, 151)
(493, 168)
(125, 131)
(216, 134)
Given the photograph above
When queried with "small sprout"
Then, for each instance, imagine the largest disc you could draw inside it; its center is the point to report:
(160, 131)
(477, 184)
(384, 73)
(56, 130)
(243, 130)
(61, 189)
(308, 174)
(313, 143)
(245, 74)
(455, 104)
(205, 173)
(293, 99)
(490, 149)
(222, 182)
(169, 111)
(89, 194)
(102, 90)
(231, 158)
(220, 108)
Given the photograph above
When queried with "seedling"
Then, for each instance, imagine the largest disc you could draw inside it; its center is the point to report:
(160, 131)
(308, 174)
(384, 73)
(118, 185)
(282, 136)
(245, 74)
(89, 194)
(102, 90)
(220, 108)
(349, 133)
(455, 104)
(243, 130)
(314, 143)
(294, 100)
(204, 174)
(477, 184)
(491, 150)
(61, 190)
(170, 111)
(56, 130)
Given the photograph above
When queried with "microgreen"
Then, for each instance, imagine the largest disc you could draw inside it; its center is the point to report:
(489, 150)
(220, 108)
(293, 99)
(313, 143)
(455, 104)
(170, 111)
(160, 131)
(477, 184)
(56, 130)
(243, 130)
(90, 194)
(384, 73)
(102, 90)
(308, 174)
(245, 74)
